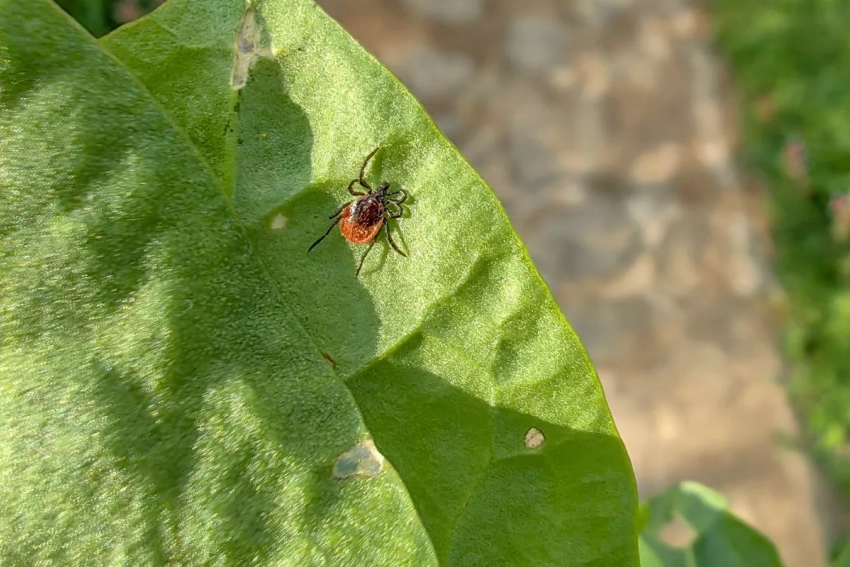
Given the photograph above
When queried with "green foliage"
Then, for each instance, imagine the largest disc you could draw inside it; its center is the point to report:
(102, 16)
(180, 383)
(790, 61)
(690, 525)
(842, 558)
(92, 14)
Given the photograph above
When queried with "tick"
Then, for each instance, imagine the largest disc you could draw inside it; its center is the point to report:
(361, 219)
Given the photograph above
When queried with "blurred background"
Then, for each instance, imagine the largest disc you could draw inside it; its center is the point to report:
(678, 170)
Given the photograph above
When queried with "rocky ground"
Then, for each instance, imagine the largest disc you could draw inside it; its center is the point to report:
(607, 130)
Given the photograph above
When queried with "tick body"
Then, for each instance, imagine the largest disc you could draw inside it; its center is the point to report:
(360, 220)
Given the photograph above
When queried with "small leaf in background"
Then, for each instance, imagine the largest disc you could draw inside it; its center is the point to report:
(690, 525)
(182, 384)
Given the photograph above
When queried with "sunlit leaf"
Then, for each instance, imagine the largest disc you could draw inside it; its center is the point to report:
(182, 383)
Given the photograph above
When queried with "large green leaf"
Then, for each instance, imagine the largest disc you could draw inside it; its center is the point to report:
(690, 525)
(181, 383)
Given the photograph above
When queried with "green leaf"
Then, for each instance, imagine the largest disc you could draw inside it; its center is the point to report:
(843, 557)
(90, 13)
(690, 525)
(181, 383)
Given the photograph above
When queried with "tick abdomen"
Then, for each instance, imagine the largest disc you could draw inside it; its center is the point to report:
(362, 220)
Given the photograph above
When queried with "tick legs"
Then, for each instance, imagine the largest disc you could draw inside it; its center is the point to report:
(363, 258)
(397, 200)
(328, 231)
(371, 244)
(362, 178)
(363, 181)
(391, 213)
(330, 228)
(357, 193)
(339, 210)
(392, 242)
(394, 210)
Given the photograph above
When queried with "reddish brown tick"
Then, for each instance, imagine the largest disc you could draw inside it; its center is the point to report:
(361, 219)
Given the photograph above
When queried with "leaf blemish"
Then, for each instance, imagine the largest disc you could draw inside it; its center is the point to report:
(278, 222)
(534, 438)
(330, 360)
(247, 49)
(361, 460)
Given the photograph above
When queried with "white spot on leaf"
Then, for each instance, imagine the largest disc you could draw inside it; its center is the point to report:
(534, 438)
(278, 222)
(361, 460)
